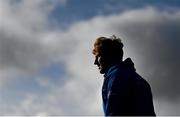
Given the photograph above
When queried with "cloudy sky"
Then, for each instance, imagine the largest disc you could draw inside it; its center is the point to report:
(46, 65)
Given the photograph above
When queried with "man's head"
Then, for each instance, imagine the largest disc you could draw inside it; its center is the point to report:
(108, 52)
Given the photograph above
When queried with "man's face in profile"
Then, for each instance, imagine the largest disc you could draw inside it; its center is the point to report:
(101, 61)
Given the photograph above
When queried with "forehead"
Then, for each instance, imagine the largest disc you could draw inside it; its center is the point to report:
(98, 46)
(96, 50)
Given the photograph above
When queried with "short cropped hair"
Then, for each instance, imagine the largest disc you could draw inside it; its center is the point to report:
(112, 47)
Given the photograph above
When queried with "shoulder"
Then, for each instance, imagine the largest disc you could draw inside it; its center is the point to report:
(119, 81)
(142, 88)
(141, 82)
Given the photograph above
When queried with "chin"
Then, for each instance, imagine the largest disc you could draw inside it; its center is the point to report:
(102, 71)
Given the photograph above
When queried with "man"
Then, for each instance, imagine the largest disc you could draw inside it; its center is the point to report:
(124, 92)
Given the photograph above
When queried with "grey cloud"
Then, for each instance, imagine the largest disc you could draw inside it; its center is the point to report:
(151, 39)
(15, 52)
(154, 37)
(26, 41)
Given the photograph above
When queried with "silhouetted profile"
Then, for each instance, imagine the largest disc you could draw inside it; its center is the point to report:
(124, 92)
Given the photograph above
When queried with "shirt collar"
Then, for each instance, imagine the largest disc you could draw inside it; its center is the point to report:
(110, 70)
